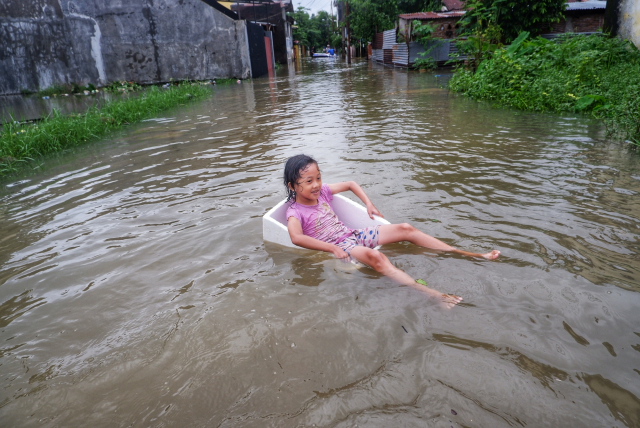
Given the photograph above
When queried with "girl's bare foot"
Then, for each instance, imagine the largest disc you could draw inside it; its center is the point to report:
(447, 300)
(492, 255)
(450, 300)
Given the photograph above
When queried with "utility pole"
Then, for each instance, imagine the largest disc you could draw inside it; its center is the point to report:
(348, 35)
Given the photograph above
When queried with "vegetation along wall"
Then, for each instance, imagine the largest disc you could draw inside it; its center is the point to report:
(47, 42)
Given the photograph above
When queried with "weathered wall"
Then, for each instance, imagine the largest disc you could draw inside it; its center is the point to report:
(45, 42)
(577, 22)
(630, 21)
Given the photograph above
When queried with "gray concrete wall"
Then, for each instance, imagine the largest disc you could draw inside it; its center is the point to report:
(47, 42)
(630, 21)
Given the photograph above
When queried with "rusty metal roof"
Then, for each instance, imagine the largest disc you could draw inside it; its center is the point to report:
(432, 15)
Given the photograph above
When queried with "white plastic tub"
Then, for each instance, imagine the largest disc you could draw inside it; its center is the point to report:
(352, 214)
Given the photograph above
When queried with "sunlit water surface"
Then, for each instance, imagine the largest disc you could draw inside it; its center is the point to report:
(136, 288)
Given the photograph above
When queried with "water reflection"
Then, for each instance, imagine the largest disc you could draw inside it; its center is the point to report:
(136, 289)
(33, 107)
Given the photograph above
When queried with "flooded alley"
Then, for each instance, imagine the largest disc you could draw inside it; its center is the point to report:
(136, 289)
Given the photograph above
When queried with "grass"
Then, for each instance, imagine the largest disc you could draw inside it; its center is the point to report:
(22, 143)
(593, 74)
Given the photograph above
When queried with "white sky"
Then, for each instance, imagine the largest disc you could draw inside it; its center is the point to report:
(314, 5)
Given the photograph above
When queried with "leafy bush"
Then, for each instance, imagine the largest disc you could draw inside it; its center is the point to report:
(423, 34)
(122, 87)
(591, 74)
(425, 63)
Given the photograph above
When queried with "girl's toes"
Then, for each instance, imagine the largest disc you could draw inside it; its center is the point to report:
(492, 255)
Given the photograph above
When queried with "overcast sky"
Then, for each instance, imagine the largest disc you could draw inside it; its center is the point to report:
(314, 5)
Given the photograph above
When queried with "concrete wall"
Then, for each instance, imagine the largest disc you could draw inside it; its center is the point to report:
(47, 42)
(630, 21)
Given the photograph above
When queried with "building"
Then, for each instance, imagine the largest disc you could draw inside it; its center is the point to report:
(272, 16)
(49, 42)
(579, 17)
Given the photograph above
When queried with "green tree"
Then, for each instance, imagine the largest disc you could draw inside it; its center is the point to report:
(313, 31)
(482, 33)
(423, 34)
(488, 23)
(412, 6)
(370, 16)
(321, 25)
(302, 25)
(515, 16)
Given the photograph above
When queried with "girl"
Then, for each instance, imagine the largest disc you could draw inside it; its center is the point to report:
(312, 224)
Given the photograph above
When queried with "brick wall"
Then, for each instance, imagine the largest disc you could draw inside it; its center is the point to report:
(583, 22)
(444, 28)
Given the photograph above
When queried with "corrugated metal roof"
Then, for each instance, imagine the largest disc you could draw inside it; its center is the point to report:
(400, 54)
(377, 41)
(587, 5)
(387, 55)
(377, 55)
(389, 39)
(432, 15)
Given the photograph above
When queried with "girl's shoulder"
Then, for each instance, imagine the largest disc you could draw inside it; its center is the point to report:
(325, 192)
(291, 206)
(296, 210)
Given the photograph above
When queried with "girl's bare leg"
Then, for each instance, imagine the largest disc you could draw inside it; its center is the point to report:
(405, 232)
(381, 264)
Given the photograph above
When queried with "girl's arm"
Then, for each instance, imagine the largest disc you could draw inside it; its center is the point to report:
(300, 239)
(357, 190)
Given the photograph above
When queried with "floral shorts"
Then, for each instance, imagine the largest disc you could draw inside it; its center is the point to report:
(367, 237)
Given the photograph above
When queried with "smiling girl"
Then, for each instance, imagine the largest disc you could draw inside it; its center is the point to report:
(312, 224)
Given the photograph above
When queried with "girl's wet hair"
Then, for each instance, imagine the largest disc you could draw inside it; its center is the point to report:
(292, 172)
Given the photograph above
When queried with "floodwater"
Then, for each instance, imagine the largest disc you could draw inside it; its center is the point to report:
(136, 289)
(33, 107)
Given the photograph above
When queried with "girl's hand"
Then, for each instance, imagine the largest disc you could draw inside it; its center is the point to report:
(372, 210)
(339, 253)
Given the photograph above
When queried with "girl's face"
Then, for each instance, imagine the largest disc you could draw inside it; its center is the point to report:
(308, 186)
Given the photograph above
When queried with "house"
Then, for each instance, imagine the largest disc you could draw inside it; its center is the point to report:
(445, 23)
(579, 17)
(272, 16)
(404, 54)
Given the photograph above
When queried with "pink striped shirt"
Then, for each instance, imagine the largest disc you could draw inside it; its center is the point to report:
(319, 221)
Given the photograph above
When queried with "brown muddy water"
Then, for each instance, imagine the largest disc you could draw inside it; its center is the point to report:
(136, 289)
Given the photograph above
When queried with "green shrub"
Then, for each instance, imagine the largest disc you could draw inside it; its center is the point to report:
(590, 74)
(425, 63)
(423, 34)
(122, 86)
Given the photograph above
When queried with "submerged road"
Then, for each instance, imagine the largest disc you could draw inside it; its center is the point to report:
(136, 288)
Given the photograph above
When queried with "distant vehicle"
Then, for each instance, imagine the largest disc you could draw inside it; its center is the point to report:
(322, 55)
